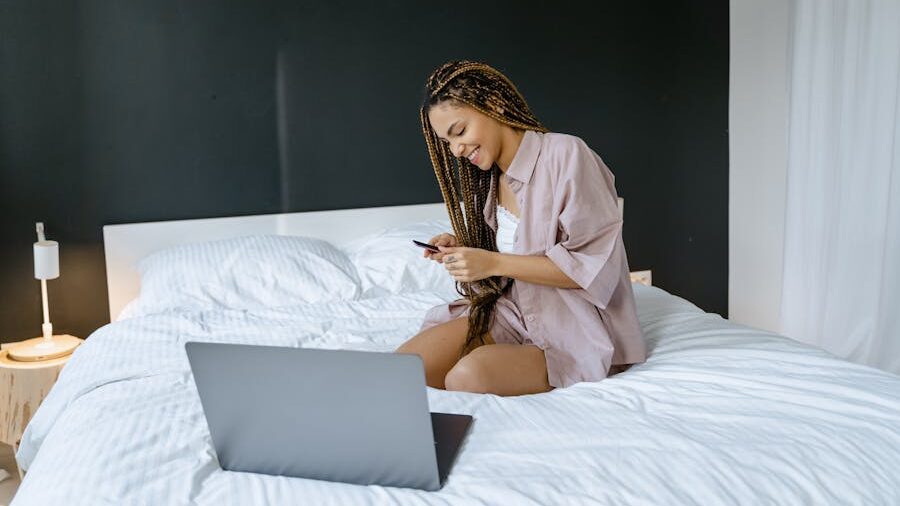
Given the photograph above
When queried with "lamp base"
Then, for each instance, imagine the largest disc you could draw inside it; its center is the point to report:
(37, 349)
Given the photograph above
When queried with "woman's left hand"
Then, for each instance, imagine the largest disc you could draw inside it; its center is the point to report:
(469, 264)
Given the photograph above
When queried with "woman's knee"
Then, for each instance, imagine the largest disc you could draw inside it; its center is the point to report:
(416, 344)
(406, 347)
(468, 375)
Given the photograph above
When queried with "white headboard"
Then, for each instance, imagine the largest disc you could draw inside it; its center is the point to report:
(124, 245)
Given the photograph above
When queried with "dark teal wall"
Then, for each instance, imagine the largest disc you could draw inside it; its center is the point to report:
(116, 112)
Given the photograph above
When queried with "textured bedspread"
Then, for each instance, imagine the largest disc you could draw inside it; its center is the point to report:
(719, 414)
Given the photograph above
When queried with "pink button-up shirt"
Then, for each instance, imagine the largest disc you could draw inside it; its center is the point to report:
(568, 212)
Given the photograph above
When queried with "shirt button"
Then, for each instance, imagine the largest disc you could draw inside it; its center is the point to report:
(530, 317)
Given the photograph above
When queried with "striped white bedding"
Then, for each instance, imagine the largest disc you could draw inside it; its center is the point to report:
(719, 414)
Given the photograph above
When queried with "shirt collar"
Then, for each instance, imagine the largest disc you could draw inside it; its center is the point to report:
(522, 166)
(520, 169)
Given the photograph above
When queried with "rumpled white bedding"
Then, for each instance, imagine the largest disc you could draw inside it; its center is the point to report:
(719, 414)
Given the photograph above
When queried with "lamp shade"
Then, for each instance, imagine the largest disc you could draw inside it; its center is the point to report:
(46, 259)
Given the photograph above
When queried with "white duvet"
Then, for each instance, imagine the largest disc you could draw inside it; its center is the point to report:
(719, 414)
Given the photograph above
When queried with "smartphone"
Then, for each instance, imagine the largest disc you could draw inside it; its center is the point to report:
(426, 246)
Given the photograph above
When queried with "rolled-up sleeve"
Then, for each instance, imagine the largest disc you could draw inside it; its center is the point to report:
(589, 225)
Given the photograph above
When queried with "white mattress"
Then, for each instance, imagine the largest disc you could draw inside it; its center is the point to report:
(719, 414)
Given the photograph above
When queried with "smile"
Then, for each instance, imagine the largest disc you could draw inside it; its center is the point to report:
(474, 155)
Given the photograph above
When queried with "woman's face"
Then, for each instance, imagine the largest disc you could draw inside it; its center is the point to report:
(470, 133)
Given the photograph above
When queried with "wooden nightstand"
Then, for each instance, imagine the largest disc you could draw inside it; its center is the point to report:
(29, 383)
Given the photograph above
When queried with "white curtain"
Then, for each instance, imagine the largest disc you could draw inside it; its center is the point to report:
(841, 288)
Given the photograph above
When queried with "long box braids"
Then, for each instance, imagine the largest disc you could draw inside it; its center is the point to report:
(464, 187)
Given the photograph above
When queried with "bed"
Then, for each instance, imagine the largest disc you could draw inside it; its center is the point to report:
(720, 413)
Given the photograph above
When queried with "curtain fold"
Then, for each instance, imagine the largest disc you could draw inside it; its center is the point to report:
(841, 281)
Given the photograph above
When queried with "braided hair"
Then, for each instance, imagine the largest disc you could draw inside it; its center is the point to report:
(465, 189)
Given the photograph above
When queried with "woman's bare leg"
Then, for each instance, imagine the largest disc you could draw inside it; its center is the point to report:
(439, 347)
(502, 369)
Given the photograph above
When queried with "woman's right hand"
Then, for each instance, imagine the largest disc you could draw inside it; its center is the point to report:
(447, 240)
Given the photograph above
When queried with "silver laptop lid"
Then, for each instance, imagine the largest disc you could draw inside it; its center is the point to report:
(339, 415)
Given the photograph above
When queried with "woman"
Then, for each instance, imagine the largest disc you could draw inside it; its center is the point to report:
(537, 250)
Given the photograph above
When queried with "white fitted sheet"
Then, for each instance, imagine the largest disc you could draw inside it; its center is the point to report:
(718, 414)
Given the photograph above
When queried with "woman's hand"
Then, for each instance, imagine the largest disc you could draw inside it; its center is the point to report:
(469, 264)
(448, 240)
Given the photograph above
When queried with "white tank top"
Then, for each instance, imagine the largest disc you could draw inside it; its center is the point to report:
(506, 229)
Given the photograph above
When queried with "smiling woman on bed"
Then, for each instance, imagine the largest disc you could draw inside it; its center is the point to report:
(548, 298)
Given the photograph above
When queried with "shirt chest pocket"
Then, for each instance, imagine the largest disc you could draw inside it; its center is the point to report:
(537, 227)
(530, 236)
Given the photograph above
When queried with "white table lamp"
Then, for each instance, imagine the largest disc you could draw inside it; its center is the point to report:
(46, 266)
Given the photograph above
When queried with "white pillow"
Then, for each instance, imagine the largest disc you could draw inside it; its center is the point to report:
(388, 262)
(247, 272)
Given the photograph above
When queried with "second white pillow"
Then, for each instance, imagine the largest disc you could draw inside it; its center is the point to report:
(388, 262)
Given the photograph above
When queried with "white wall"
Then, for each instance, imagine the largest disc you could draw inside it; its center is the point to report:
(757, 125)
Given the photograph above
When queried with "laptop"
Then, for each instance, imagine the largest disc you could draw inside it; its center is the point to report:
(338, 415)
